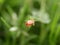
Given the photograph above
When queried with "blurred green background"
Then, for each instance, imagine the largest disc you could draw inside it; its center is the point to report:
(14, 14)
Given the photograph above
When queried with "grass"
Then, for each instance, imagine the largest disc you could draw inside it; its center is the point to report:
(38, 34)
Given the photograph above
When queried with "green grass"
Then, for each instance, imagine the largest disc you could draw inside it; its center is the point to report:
(38, 34)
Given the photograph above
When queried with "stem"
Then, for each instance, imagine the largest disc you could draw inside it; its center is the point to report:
(4, 21)
(22, 17)
(14, 38)
(43, 4)
(7, 38)
(57, 33)
(54, 23)
(22, 39)
(14, 41)
(54, 8)
(10, 10)
(42, 35)
(7, 32)
(22, 14)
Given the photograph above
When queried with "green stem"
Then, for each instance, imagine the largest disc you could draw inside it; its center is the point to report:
(54, 7)
(54, 23)
(22, 17)
(10, 10)
(43, 5)
(14, 41)
(22, 39)
(42, 35)
(4, 21)
(57, 33)
(22, 13)
(7, 38)
(7, 32)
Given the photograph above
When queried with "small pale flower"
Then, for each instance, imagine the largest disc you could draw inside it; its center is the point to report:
(41, 16)
(12, 29)
(14, 18)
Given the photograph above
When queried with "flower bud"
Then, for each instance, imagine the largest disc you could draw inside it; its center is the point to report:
(29, 23)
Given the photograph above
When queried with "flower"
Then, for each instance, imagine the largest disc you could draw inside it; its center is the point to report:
(15, 32)
(14, 19)
(12, 29)
(41, 16)
(30, 22)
